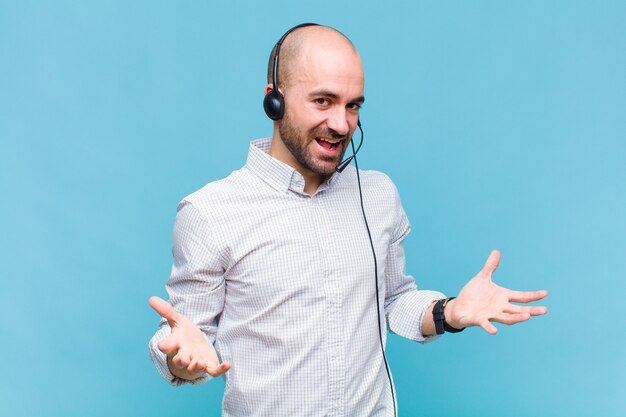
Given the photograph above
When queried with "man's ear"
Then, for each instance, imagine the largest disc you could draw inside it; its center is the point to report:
(269, 87)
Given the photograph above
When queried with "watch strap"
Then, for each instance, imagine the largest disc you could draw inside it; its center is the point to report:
(438, 316)
(446, 326)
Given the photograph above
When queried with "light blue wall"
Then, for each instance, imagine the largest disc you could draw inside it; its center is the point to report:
(502, 123)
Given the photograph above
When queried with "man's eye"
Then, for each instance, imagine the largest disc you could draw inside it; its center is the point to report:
(354, 106)
(321, 101)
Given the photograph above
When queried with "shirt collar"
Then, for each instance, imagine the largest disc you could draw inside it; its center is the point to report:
(277, 174)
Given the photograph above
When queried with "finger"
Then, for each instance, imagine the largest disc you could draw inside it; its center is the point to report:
(510, 319)
(514, 309)
(492, 262)
(168, 345)
(193, 366)
(219, 369)
(488, 327)
(185, 360)
(530, 310)
(182, 359)
(527, 296)
(538, 310)
(164, 309)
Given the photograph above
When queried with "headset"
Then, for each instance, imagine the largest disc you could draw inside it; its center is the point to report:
(274, 102)
(274, 106)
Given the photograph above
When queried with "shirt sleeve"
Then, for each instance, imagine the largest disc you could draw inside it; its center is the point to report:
(405, 305)
(196, 284)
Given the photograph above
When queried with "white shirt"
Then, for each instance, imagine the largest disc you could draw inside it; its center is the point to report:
(282, 284)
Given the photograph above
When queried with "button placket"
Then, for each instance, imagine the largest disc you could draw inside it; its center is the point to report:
(333, 291)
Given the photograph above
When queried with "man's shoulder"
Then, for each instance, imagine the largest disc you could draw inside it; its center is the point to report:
(372, 179)
(221, 191)
(378, 189)
(378, 177)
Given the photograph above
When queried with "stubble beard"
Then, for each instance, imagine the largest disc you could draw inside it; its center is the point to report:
(297, 142)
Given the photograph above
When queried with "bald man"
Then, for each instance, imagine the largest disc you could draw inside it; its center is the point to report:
(274, 284)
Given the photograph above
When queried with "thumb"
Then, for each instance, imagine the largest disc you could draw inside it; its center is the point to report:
(164, 309)
(492, 262)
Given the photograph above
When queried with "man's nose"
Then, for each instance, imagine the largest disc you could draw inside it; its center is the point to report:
(338, 121)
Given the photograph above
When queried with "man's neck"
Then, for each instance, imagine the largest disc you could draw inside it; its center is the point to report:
(278, 150)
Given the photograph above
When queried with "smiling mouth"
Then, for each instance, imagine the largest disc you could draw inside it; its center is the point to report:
(327, 143)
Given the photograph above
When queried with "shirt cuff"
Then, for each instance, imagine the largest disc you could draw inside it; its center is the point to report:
(406, 315)
(431, 296)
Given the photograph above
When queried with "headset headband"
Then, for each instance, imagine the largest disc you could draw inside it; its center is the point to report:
(274, 102)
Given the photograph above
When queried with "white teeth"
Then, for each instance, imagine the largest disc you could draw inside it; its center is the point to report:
(334, 142)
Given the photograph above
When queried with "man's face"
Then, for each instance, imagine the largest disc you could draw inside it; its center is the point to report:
(322, 100)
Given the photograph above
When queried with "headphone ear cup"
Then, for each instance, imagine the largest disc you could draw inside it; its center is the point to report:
(274, 105)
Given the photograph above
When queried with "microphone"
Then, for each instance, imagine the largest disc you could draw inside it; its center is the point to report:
(343, 164)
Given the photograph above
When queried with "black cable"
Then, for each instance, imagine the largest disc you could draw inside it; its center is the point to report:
(369, 234)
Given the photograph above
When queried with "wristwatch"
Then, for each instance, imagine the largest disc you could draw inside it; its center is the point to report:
(441, 325)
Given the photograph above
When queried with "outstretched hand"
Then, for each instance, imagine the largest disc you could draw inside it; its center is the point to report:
(481, 302)
(189, 355)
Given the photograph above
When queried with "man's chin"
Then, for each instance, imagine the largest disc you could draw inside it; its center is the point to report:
(327, 167)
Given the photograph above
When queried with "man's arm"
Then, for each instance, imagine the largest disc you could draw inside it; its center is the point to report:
(407, 308)
(482, 302)
(182, 349)
(410, 311)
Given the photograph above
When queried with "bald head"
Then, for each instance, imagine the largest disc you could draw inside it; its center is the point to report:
(298, 42)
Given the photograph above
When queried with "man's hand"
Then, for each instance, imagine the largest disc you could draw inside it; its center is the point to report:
(189, 355)
(481, 301)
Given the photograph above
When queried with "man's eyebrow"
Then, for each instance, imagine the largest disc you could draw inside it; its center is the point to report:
(330, 94)
(359, 100)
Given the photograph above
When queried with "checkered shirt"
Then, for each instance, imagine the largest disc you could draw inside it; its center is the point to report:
(282, 285)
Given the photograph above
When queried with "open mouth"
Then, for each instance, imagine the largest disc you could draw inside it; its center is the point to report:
(327, 143)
